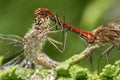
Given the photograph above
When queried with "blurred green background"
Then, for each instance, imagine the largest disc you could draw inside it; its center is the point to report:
(16, 17)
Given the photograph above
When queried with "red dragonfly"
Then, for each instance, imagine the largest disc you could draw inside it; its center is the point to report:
(84, 34)
(108, 33)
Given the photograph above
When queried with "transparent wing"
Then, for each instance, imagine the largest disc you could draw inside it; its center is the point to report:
(115, 24)
(10, 47)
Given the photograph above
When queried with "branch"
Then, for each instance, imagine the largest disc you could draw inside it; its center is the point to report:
(68, 70)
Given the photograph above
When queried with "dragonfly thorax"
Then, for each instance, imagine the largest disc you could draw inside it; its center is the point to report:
(33, 43)
(107, 33)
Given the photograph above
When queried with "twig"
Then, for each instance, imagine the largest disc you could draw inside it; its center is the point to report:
(77, 58)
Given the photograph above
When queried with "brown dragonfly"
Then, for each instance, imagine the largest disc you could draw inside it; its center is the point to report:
(27, 51)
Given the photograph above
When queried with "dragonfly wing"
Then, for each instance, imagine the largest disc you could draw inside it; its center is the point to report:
(10, 47)
(17, 60)
(115, 24)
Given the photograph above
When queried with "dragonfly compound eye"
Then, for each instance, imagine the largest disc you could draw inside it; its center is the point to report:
(41, 20)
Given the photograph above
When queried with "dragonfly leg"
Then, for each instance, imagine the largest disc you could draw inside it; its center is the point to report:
(56, 23)
(91, 62)
(106, 52)
(119, 47)
(63, 42)
(54, 43)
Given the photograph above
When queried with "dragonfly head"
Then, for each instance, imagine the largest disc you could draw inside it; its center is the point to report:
(41, 20)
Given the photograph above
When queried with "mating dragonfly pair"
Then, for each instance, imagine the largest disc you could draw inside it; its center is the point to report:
(30, 47)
